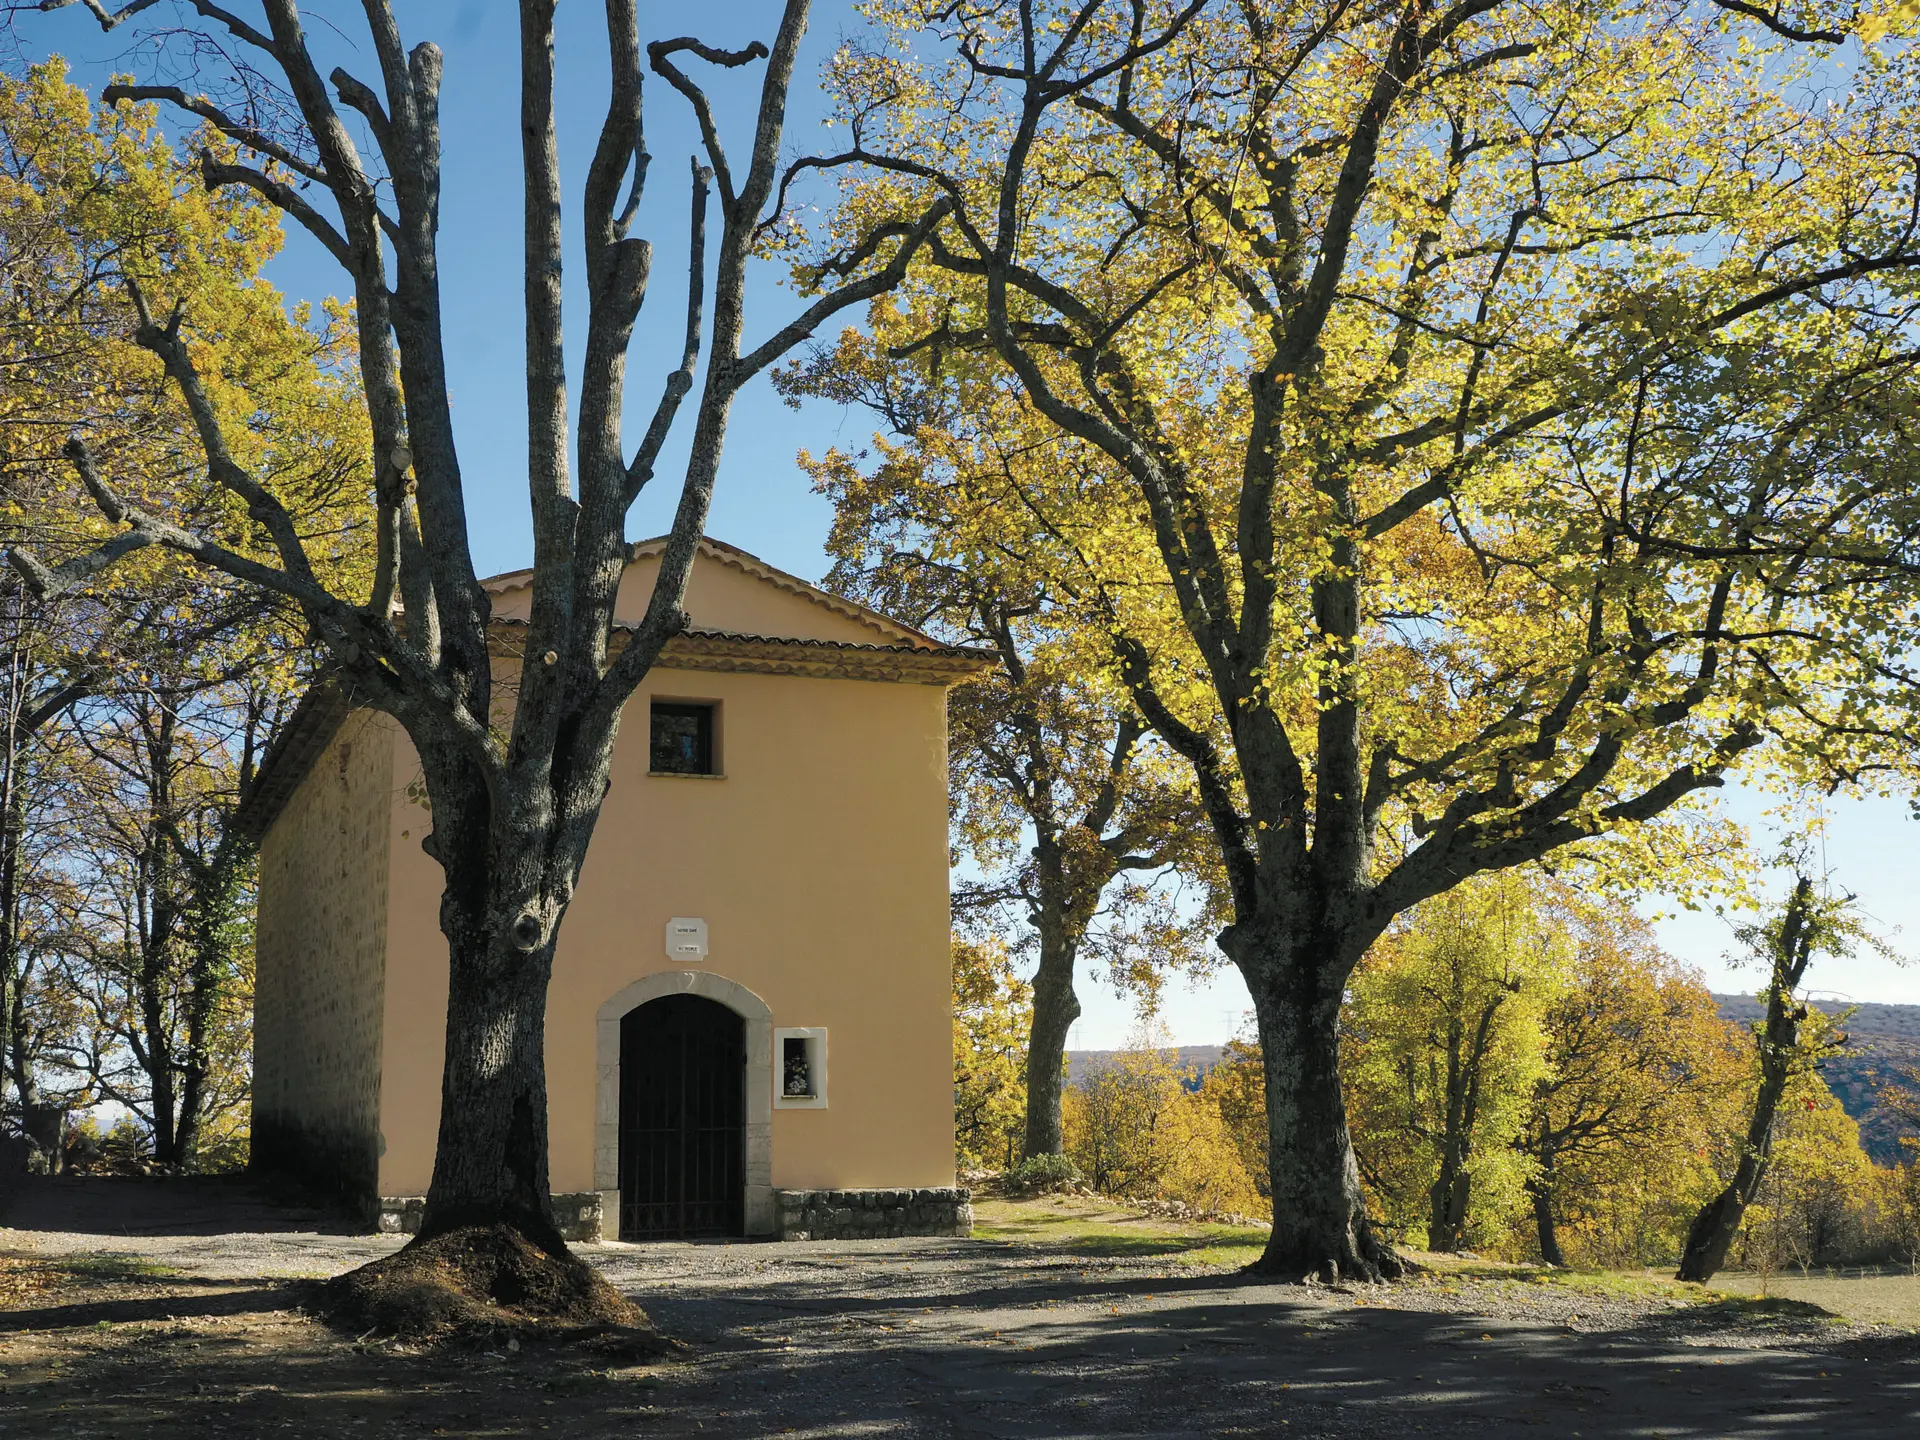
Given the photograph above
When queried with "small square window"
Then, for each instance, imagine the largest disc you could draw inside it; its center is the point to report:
(681, 742)
(800, 1069)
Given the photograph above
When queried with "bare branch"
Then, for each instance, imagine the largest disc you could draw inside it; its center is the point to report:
(357, 96)
(112, 20)
(640, 471)
(81, 458)
(109, 19)
(356, 636)
(164, 341)
(878, 283)
(250, 136)
(657, 53)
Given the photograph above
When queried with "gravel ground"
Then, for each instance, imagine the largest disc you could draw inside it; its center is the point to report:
(905, 1338)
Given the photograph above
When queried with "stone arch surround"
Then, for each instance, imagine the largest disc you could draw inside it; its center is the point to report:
(759, 1081)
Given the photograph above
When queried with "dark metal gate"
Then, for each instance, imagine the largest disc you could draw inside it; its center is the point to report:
(682, 1120)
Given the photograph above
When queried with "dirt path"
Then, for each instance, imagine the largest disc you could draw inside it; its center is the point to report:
(194, 1333)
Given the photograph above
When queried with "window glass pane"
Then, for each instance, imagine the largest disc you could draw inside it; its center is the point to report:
(682, 740)
(796, 1068)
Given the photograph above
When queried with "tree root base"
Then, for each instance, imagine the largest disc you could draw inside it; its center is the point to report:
(1384, 1264)
(488, 1285)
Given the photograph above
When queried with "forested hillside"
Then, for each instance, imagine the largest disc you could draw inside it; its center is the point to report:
(1883, 1048)
(1197, 1058)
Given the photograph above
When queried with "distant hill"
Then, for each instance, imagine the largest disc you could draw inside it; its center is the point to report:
(1197, 1058)
(1882, 1042)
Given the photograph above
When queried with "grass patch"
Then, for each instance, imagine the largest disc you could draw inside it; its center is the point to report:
(113, 1269)
(1732, 1297)
(1881, 1299)
(1100, 1230)
(1766, 1307)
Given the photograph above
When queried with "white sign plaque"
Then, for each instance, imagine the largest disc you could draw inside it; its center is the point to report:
(686, 938)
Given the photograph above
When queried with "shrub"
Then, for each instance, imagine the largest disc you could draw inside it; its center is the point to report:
(1038, 1174)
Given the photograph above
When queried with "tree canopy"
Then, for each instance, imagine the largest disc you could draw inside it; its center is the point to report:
(1472, 430)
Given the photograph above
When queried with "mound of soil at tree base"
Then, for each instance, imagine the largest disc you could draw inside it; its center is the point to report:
(487, 1285)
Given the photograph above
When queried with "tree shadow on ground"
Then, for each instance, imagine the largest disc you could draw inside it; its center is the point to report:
(222, 1298)
(1167, 1358)
(184, 1205)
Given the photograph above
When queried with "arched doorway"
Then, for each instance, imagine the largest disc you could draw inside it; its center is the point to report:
(682, 1119)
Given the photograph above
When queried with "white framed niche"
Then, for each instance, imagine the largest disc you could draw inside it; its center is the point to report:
(799, 1068)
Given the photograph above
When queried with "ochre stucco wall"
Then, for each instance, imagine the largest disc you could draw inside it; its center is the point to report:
(818, 860)
(322, 932)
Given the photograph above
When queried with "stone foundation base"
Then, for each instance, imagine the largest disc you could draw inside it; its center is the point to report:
(577, 1215)
(872, 1214)
(799, 1214)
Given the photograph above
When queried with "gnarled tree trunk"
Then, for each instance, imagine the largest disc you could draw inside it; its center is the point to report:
(1712, 1232)
(501, 911)
(1320, 1225)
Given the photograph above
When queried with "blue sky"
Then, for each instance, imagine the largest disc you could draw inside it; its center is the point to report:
(763, 502)
(1868, 853)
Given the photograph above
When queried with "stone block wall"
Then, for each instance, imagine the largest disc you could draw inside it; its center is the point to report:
(872, 1214)
(578, 1215)
(321, 942)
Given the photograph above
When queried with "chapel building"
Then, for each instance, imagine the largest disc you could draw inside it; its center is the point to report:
(749, 1024)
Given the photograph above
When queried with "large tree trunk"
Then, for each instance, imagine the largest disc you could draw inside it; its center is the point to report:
(1320, 1227)
(488, 1240)
(1055, 1008)
(490, 1164)
(500, 913)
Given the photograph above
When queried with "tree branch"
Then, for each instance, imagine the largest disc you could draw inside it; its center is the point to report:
(657, 53)
(680, 381)
(241, 134)
(1771, 19)
(284, 197)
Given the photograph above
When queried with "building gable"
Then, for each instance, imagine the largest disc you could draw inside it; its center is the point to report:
(731, 592)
